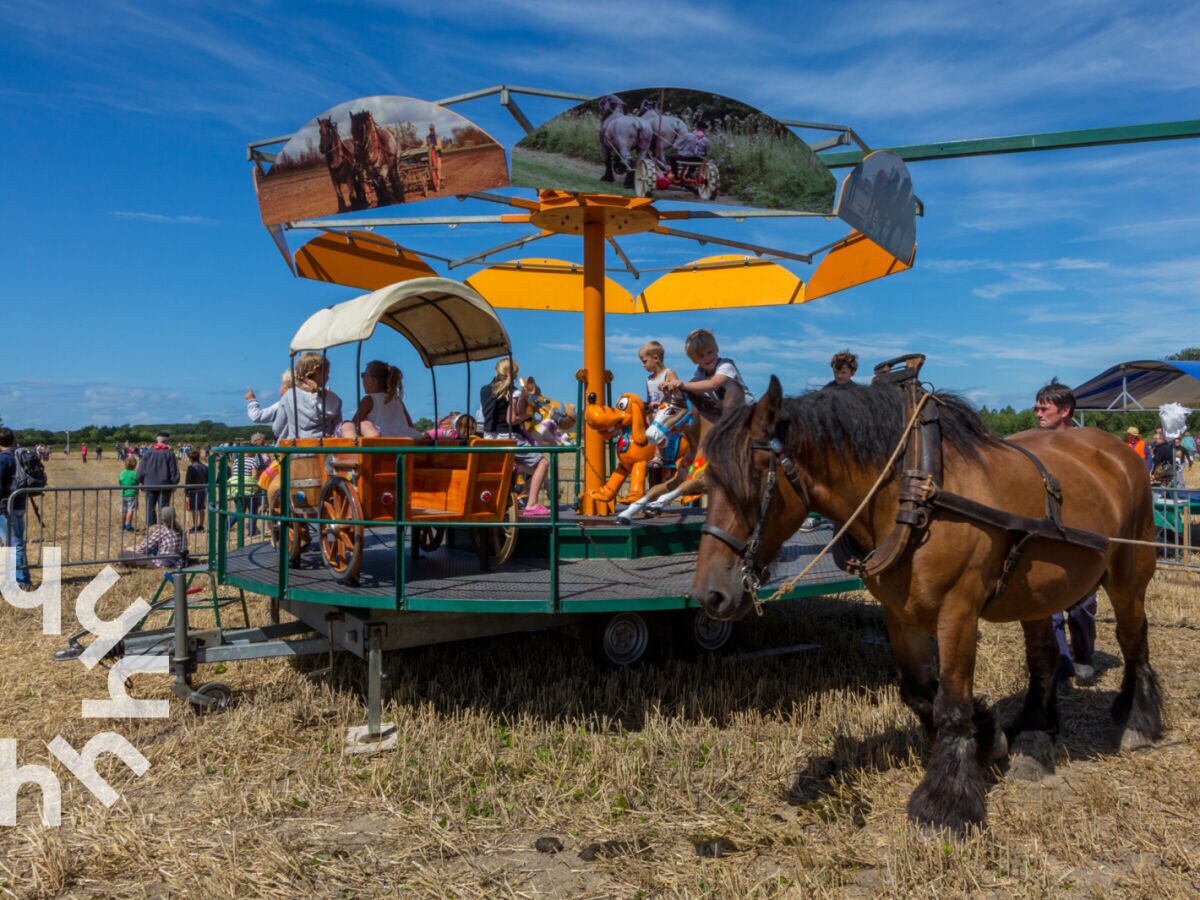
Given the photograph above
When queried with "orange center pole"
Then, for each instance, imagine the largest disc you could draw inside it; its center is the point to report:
(594, 449)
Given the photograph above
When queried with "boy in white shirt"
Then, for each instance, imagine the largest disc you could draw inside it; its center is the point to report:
(712, 373)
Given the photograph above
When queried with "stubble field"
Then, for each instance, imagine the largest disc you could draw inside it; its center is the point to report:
(779, 775)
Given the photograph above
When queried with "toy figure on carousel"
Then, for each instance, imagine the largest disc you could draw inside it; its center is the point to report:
(552, 421)
(626, 423)
(676, 430)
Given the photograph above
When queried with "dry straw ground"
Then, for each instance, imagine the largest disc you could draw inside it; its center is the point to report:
(798, 765)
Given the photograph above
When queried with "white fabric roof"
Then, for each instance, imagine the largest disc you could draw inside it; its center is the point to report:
(445, 320)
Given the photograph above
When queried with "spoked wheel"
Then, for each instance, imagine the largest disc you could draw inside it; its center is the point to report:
(429, 538)
(696, 633)
(298, 535)
(645, 178)
(501, 540)
(341, 544)
(624, 639)
(711, 181)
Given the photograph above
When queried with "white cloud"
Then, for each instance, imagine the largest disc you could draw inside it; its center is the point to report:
(160, 217)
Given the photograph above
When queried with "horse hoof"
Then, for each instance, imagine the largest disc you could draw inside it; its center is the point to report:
(1032, 756)
(1132, 739)
(623, 520)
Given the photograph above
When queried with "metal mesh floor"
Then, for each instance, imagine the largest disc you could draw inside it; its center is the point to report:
(456, 574)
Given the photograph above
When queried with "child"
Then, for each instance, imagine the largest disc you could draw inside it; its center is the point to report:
(712, 373)
(465, 427)
(272, 414)
(129, 493)
(164, 543)
(197, 474)
(382, 412)
(310, 409)
(651, 355)
(504, 407)
(843, 365)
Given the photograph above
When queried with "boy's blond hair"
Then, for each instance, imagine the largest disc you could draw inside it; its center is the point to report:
(699, 341)
(651, 348)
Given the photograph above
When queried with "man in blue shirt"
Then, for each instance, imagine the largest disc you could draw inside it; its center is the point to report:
(12, 525)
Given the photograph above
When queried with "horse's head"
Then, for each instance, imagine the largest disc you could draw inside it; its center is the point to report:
(609, 104)
(752, 506)
(329, 133)
(668, 419)
(361, 124)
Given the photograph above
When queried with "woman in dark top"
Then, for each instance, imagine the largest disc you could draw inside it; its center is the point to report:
(197, 473)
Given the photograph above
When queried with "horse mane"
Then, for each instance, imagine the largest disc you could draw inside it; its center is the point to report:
(857, 423)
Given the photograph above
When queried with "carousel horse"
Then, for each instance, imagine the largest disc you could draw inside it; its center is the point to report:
(626, 423)
(680, 426)
(963, 527)
(343, 170)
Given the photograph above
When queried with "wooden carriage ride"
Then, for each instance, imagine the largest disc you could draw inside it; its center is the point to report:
(345, 485)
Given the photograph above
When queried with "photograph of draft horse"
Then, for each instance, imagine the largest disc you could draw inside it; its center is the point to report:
(964, 526)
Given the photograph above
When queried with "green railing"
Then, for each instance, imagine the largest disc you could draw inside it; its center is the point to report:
(221, 500)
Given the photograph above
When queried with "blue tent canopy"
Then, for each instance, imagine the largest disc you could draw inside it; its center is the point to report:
(1143, 384)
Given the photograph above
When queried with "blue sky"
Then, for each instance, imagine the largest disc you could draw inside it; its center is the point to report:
(140, 286)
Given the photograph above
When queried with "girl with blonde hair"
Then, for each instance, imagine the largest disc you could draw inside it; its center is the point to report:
(381, 412)
(505, 408)
(310, 409)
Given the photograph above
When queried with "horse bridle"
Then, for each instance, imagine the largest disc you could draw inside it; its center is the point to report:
(753, 574)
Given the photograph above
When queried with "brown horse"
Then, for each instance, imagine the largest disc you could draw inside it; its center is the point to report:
(343, 169)
(974, 540)
(378, 156)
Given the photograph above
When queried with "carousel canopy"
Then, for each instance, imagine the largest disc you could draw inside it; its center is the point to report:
(446, 321)
(1142, 384)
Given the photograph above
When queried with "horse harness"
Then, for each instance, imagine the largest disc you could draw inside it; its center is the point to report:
(921, 494)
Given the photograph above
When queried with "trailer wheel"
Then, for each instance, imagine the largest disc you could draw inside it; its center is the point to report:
(624, 639)
(341, 544)
(696, 633)
(217, 694)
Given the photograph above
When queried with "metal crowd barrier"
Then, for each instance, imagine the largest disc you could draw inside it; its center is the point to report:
(84, 522)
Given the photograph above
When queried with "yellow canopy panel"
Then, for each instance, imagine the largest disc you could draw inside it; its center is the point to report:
(552, 284)
(722, 282)
(358, 259)
(445, 320)
(853, 260)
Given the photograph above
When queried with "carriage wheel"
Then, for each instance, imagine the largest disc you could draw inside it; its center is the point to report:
(711, 180)
(341, 545)
(298, 535)
(429, 538)
(502, 541)
(645, 178)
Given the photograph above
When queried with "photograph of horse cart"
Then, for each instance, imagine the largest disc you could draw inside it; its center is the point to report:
(883, 523)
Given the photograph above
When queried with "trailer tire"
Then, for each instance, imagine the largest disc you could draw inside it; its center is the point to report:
(696, 633)
(219, 694)
(625, 639)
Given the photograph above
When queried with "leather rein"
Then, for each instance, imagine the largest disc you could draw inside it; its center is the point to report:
(921, 495)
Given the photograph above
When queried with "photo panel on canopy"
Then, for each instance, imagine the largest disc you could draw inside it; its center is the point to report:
(375, 152)
(675, 144)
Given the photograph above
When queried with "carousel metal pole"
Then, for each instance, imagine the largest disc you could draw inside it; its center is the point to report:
(593, 359)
